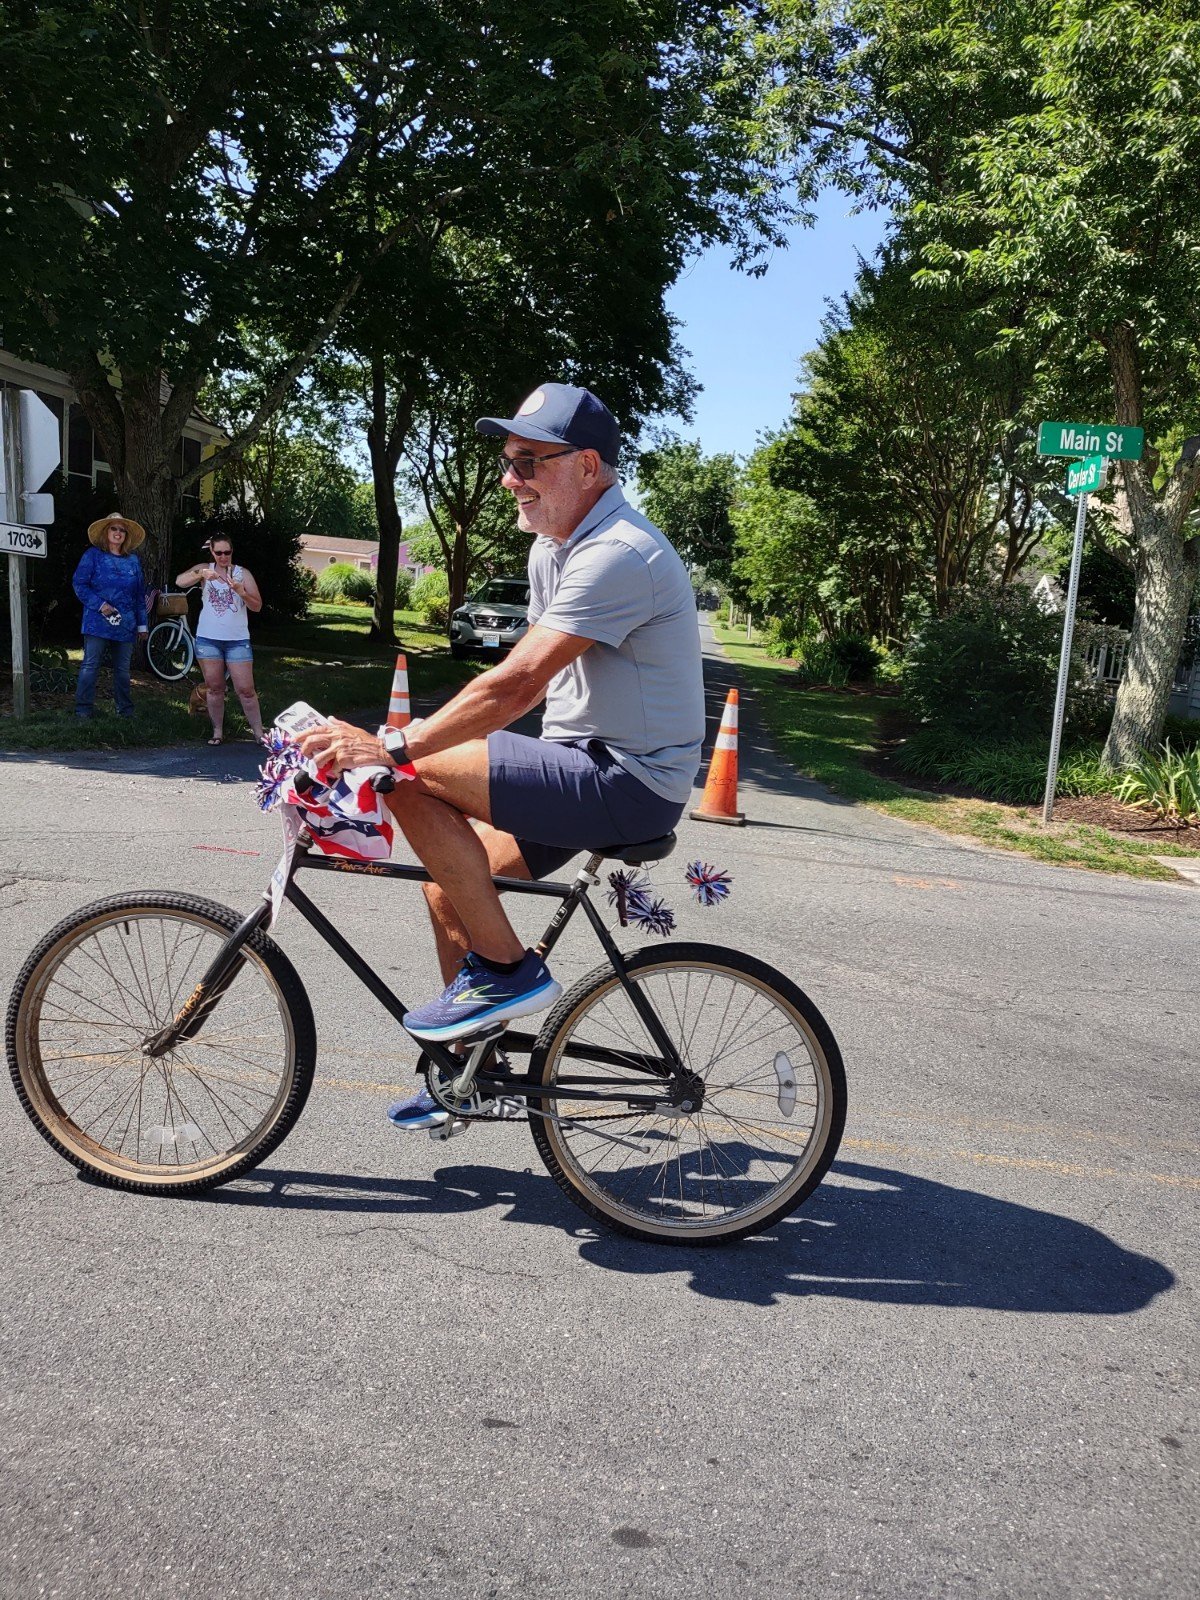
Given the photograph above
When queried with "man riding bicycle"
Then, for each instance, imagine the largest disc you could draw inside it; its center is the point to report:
(613, 648)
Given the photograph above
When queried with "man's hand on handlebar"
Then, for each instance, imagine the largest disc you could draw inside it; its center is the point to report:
(340, 746)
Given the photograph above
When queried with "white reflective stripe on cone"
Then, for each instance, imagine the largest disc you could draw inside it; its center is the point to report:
(726, 741)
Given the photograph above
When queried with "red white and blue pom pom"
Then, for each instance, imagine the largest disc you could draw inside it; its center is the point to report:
(709, 884)
(277, 771)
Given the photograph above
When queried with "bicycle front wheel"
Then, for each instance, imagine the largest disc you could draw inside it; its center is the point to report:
(170, 652)
(106, 980)
(773, 1110)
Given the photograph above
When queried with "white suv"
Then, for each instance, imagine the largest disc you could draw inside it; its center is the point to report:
(493, 620)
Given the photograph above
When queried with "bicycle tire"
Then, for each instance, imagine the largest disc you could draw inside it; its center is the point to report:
(109, 976)
(170, 650)
(727, 1189)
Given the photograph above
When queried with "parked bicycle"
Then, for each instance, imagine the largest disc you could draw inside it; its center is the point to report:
(170, 646)
(683, 1093)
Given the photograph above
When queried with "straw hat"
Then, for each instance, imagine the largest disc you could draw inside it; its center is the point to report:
(134, 532)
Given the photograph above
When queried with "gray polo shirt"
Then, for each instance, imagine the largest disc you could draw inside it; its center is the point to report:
(639, 688)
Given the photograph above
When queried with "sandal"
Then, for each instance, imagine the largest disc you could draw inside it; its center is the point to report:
(217, 739)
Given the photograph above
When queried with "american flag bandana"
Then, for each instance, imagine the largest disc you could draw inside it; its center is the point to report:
(342, 811)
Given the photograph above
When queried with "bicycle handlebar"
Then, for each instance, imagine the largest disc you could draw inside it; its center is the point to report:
(382, 781)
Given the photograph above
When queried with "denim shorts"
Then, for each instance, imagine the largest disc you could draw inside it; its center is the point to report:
(559, 797)
(224, 650)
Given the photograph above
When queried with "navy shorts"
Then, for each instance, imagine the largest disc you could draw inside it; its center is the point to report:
(558, 797)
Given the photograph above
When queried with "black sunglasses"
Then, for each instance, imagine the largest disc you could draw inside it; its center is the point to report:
(526, 466)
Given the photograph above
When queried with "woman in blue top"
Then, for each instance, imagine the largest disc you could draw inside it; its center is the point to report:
(109, 581)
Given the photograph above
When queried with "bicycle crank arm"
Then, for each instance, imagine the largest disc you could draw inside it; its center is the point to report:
(588, 1127)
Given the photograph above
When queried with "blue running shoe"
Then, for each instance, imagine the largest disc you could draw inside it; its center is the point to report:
(419, 1111)
(479, 997)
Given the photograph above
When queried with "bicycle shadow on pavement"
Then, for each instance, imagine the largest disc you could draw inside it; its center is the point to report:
(880, 1235)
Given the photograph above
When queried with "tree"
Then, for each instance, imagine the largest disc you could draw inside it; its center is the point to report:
(1089, 206)
(161, 194)
(180, 172)
(650, 158)
(1041, 161)
(295, 471)
(472, 518)
(911, 442)
(689, 495)
(784, 550)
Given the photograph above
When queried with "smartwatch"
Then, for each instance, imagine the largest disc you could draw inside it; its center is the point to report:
(396, 746)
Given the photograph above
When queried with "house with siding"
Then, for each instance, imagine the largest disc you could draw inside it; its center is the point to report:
(319, 550)
(82, 454)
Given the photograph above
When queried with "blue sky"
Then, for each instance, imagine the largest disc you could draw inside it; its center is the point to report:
(746, 335)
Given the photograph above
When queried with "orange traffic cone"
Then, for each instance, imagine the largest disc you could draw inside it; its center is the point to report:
(399, 706)
(719, 800)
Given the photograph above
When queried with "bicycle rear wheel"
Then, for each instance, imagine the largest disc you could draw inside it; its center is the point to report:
(772, 1115)
(105, 980)
(170, 651)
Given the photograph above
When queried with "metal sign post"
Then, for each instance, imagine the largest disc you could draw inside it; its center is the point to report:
(1082, 476)
(30, 449)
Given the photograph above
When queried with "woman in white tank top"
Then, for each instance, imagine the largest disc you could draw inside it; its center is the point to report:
(223, 633)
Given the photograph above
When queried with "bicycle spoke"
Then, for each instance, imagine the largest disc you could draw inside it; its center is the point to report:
(111, 987)
(741, 1154)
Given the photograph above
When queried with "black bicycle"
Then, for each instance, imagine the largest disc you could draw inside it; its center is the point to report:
(682, 1093)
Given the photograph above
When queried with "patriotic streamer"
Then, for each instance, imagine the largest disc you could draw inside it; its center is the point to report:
(630, 893)
(342, 812)
(277, 771)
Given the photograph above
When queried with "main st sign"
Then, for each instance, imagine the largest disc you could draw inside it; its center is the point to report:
(1090, 439)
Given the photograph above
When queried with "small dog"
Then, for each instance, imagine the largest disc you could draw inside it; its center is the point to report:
(198, 701)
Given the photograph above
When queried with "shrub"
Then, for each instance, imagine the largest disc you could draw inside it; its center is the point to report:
(847, 658)
(818, 663)
(404, 589)
(858, 655)
(431, 598)
(1013, 772)
(1167, 783)
(986, 669)
(345, 584)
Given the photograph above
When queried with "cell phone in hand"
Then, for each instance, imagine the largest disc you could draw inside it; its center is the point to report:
(299, 718)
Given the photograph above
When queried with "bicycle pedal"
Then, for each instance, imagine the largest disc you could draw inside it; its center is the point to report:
(447, 1130)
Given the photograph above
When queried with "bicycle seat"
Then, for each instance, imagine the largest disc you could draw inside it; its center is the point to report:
(637, 855)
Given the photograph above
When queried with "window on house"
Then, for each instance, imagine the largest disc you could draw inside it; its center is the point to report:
(187, 457)
(79, 444)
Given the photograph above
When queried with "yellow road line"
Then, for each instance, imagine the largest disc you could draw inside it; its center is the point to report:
(986, 1158)
(1066, 1169)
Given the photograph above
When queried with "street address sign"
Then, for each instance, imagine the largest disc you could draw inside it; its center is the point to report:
(1084, 476)
(1090, 438)
(18, 540)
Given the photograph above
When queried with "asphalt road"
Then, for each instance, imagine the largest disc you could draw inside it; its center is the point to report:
(380, 1366)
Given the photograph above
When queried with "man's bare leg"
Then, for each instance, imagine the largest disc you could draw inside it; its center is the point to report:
(433, 815)
(504, 861)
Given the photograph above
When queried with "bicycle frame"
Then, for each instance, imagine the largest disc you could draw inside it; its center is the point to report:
(666, 1068)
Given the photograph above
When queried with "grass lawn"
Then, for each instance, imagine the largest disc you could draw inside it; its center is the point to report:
(828, 734)
(328, 660)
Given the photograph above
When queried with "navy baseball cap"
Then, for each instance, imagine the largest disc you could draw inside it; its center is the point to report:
(558, 413)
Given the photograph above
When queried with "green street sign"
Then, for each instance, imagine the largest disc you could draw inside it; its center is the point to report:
(1091, 438)
(1084, 476)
